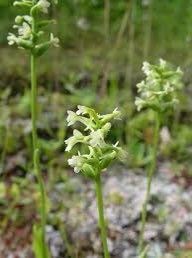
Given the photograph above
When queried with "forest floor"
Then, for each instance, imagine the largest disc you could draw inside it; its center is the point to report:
(168, 230)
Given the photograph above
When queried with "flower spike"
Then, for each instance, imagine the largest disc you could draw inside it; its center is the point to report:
(158, 90)
(99, 153)
(29, 27)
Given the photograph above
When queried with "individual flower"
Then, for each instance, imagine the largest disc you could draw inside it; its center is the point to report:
(12, 39)
(97, 138)
(44, 5)
(76, 162)
(72, 118)
(77, 137)
(24, 30)
(54, 40)
(82, 110)
(28, 19)
(116, 114)
(140, 103)
(146, 68)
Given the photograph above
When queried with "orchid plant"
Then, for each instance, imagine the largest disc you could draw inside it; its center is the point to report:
(97, 154)
(158, 91)
(30, 37)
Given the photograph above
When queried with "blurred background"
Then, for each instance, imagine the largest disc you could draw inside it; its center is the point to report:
(103, 46)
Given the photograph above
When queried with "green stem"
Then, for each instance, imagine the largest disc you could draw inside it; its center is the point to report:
(43, 202)
(102, 224)
(131, 48)
(149, 181)
(3, 155)
(107, 20)
(36, 163)
(34, 94)
(147, 29)
(34, 102)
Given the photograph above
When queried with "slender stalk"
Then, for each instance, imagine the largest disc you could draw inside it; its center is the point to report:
(106, 24)
(43, 202)
(131, 47)
(147, 29)
(102, 224)
(34, 95)
(3, 154)
(107, 6)
(34, 103)
(36, 163)
(149, 181)
(113, 50)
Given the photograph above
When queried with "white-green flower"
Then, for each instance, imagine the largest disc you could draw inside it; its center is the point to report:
(76, 162)
(28, 19)
(146, 68)
(139, 103)
(12, 39)
(77, 137)
(44, 5)
(97, 138)
(54, 40)
(24, 30)
(71, 118)
(82, 110)
(116, 114)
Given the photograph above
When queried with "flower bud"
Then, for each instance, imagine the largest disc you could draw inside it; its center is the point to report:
(43, 5)
(27, 44)
(19, 19)
(106, 118)
(88, 171)
(41, 48)
(22, 3)
(107, 159)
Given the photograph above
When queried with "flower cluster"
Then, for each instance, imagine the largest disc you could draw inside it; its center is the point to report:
(98, 154)
(159, 89)
(29, 27)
